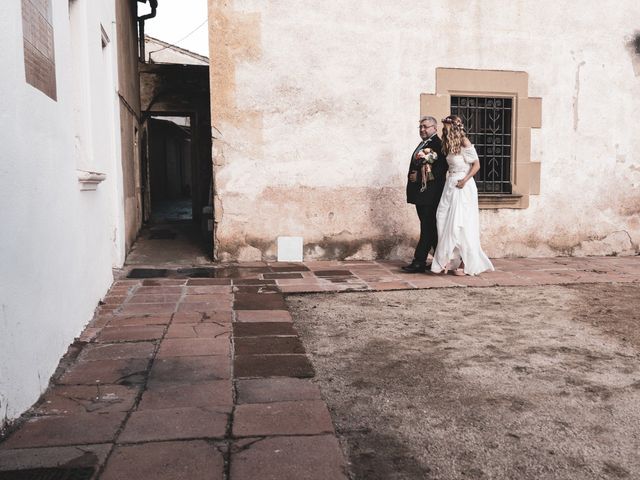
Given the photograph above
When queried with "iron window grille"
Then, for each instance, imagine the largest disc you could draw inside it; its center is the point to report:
(488, 122)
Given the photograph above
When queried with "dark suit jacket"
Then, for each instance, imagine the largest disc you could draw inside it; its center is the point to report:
(431, 196)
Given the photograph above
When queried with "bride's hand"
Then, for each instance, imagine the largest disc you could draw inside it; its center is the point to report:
(460, 183)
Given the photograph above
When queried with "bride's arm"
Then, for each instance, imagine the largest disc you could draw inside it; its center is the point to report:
(475, 166)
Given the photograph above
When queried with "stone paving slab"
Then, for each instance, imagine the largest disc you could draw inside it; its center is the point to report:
(129, 333)
(190, 369)
(305, 417)
(141, 319)
(183, 347)
(268, 345)
(188, 365)
(48, 457)
(276, 390)
(175, 424)
(198, 330)
(117, 351)
(123, 371)
(290, 458)
(247, 366)
(75, 399)
(173, 395)
(253, 329)
(192, 460)
(66, 430)
(263, 316)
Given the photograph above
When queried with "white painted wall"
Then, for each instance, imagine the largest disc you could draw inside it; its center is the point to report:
(57, 244)
(325, 107)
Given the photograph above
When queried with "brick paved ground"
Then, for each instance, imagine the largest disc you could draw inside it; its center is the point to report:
(200, 373)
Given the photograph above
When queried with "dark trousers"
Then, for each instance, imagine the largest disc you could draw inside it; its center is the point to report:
(428, 232)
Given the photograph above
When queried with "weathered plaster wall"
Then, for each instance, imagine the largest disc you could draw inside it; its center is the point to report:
(129, 112)
(58, 243)
(315, 111)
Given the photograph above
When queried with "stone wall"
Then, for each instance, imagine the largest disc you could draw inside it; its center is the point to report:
(315, 109)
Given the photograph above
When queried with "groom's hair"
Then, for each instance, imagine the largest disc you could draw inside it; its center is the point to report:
(428, 118)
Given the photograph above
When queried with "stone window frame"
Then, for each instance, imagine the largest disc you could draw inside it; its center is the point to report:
(525, 172)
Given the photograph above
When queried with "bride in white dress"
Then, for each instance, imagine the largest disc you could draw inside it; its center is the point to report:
(457, 215)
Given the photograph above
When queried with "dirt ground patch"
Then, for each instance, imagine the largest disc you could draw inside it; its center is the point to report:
(481, 383)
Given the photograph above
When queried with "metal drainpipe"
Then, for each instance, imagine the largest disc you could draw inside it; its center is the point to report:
(154, 5)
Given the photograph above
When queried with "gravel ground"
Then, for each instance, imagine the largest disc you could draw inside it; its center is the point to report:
(481, 383)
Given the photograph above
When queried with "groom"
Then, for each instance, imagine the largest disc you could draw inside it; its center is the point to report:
(426, 201)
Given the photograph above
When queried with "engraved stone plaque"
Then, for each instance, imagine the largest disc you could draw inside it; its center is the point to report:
(39, 58)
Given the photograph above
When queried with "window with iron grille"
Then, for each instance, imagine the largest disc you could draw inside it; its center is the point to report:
(488, 122)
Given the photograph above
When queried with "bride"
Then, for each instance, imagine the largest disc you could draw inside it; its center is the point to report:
(457, 215)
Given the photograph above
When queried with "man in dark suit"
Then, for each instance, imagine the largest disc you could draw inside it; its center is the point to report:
(426, 201)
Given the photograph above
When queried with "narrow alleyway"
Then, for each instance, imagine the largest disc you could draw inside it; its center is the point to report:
(198, 372)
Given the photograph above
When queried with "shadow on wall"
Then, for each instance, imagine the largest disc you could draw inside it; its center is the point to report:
(634, 49)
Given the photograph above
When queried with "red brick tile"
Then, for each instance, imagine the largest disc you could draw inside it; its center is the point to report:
(175, 424)
(89, 334)
(49, 457)
(263, 316)
(267, 390)
(204, 307)
(163, 290)
(187, 317)
(153, 298)
(290, 458)
(218, 317)
(253, 281)
(254, 329)
(190, 369)
(305, 417)
(65, 400)
(163, 282)
(272, 366)
(206, 394)
(267, 345)
(189, 347)
(117, 351)
(126, 283)
(208, 281)
(192, 460)
(208, 289)
(198, 330)
(142, 308)
(140, 319)
(257, 301)
(281, 276)
(66, 430)
(106, 371)
(130, 333)
(299, 281)
(114, 299)
(222, 298)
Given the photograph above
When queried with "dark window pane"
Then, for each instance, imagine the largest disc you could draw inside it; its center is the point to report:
(488, 121)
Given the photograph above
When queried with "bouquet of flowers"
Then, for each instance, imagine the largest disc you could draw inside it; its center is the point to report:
(426, 157)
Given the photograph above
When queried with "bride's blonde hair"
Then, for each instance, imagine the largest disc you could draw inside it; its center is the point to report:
(452, 134)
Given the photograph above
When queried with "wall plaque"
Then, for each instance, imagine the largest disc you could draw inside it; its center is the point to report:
(39, 58)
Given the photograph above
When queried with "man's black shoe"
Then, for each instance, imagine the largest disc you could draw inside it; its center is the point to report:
(415, 267)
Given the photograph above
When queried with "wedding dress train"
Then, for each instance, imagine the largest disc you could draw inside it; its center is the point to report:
(457, 220)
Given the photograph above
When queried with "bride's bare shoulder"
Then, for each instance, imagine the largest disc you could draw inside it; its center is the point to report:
(466, 143)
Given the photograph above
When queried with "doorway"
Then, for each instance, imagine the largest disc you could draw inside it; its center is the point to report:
(170, 169)
(176, 168)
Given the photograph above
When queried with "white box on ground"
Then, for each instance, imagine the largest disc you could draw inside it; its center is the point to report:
(289, 249)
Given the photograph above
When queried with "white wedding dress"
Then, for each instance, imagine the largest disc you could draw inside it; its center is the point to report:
(457, 219)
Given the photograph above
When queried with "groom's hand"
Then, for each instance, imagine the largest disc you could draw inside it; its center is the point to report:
(413, 177)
